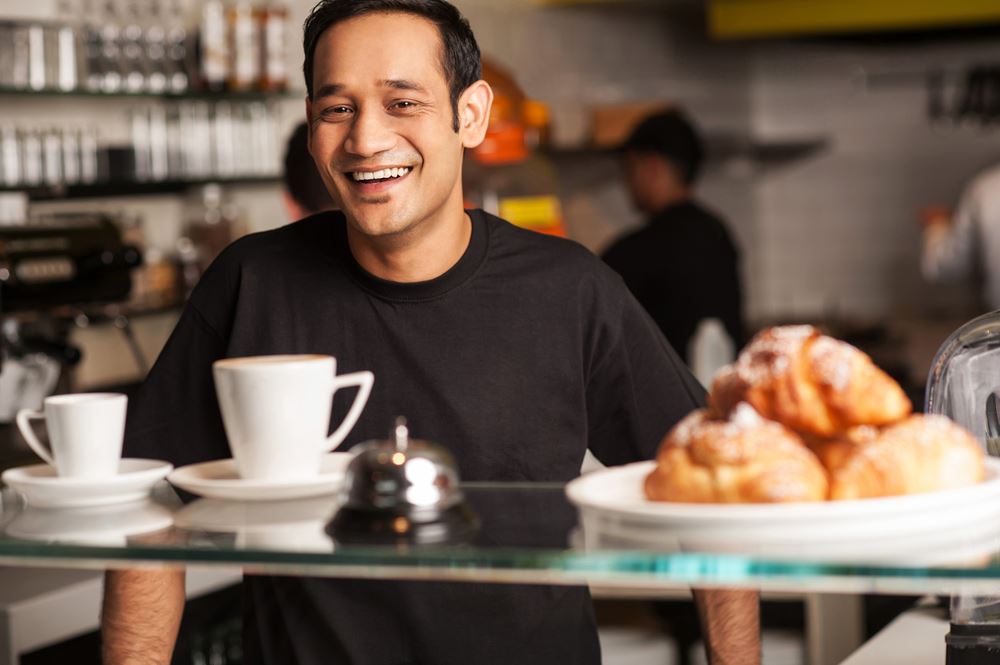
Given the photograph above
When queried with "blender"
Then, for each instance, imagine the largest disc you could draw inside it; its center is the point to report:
(964, 384)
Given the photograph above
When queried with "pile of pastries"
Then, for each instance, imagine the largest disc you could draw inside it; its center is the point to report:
(804, 417)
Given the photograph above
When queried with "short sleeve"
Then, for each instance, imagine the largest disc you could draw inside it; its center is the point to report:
(638, 388)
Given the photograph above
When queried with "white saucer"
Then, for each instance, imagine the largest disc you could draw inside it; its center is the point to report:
(100, 525)
(220, 480)
(44, 489)
(295, 525)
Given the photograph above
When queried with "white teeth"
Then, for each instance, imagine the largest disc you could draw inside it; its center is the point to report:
(380, 175)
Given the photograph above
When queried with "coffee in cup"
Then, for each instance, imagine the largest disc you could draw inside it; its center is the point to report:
(85, 433)
(276, 412)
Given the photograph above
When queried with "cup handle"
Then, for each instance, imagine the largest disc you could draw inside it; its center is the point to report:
(364, 382)
(24, 416)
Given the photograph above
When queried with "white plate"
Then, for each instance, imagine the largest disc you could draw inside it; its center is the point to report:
(101, 525)
(220, 480)
(44, 489)
(295, 524)
(614, 513)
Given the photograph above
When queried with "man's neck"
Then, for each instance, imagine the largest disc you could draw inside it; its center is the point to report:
(422, 253)
(672, 198)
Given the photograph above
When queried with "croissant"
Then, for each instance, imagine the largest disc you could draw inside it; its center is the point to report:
(744, 459)
(920, 454)
(809, 382)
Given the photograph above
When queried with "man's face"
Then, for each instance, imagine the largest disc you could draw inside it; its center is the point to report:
(642, 175)
(652, 180)
(381, 122)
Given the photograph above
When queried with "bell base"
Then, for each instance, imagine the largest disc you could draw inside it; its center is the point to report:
(452, 525)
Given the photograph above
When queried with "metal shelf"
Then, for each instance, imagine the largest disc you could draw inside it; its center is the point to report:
(721, 149)
(249, 95)
(130, 188)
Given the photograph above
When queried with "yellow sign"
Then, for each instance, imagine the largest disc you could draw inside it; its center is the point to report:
(538, 213)
(763, 18)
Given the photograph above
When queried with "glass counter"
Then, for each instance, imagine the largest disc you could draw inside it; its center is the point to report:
(528, 533)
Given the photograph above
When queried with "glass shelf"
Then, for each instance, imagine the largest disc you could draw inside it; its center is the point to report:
(130, 187)
(529, 534)
(249, 95)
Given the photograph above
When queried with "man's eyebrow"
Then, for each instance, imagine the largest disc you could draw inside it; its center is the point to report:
(328, 90)
(403, 84)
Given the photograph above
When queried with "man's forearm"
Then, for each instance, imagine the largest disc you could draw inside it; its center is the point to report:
(730, 621)
(141, 614)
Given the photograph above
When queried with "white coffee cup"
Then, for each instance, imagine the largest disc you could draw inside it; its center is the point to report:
(85, 433)
(276, 411)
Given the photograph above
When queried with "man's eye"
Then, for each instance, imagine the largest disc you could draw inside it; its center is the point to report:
(337, 111)
(404, 105)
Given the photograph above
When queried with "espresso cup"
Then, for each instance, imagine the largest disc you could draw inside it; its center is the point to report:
(276, 412)
(85, 433)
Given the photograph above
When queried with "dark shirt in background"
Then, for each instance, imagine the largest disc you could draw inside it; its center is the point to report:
(683, 267)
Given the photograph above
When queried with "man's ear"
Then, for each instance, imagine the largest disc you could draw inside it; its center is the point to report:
(474, 113)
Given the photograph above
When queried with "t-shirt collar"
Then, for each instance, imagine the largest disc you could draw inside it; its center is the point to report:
(454, 277)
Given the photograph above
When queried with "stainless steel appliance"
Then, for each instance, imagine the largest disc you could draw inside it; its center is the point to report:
(964, 384)
(48, 269)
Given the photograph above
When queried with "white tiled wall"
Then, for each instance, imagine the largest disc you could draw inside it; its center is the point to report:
(839, 233)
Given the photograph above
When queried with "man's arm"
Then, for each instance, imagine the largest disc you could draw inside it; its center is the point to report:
(142, 612)
(730, 621)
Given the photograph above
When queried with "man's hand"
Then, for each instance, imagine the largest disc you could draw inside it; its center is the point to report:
(730, 621)
(142, 612)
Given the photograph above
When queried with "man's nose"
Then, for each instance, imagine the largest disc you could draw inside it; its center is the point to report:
(369, 135)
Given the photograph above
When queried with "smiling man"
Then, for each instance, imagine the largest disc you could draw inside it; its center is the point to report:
(514, 350)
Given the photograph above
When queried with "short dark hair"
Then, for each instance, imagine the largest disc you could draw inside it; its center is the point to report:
(460, 57)
(672, 135)
(300, 176)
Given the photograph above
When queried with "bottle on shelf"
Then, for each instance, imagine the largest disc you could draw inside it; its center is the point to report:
(176, 63)
(244, 51)
(88, 155)
(36, 56)
(212, 223)
(273, 69)
(132, 49)
(67, 60)
(20, 57)
(154, 41)
(213, 46)
(70, 156)
(52, 160)
(93, 60)
(112, 74)
(31, 158)
(10, 156)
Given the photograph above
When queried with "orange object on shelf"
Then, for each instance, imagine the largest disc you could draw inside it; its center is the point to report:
(506, 176)
(517, 124)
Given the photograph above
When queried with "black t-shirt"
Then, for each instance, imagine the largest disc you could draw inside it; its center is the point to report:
(683, 267)
(524, 353)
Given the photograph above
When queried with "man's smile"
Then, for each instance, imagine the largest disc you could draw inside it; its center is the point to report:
(375, 181)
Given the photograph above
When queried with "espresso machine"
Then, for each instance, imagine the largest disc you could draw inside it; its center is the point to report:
(964, 384)
(49, 269)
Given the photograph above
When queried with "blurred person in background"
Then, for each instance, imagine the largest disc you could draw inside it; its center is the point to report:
(682, 265)
(304, 192)
(966, 244)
